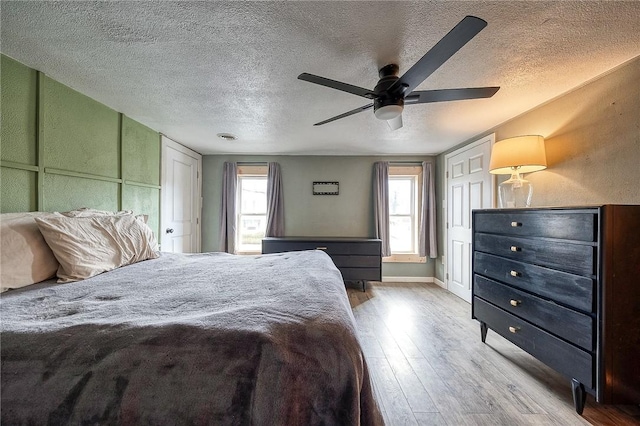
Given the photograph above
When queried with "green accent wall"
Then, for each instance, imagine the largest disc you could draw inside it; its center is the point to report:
(145, 200)
(62, 150)
(19, 189)
(18, 136)
(349, 214)
(80, 134)
(141, 151)
(65, 192)
(19, 112)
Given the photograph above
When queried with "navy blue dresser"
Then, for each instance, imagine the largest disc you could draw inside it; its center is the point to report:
(358, 259)
(564, 285)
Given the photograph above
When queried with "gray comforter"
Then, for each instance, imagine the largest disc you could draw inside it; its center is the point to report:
(188, 339)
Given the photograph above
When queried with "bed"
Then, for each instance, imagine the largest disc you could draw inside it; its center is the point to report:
(187, 339)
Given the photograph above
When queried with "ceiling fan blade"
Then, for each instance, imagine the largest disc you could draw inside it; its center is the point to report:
(426, 96)
(338, 85)
(395, 123)
(460, 35)
(346, 114)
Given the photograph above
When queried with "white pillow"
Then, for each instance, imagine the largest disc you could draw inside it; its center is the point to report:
(25, 257)
(88, 246)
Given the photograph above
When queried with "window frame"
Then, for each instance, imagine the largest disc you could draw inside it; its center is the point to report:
(415, 173)
(247, 172)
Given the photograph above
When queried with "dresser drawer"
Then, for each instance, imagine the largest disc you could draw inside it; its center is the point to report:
(361, 274)
(331, 247)
(570, 325)
(356, 261)
(563, 287)
(575, 258)
(556, 353)
(570, 226)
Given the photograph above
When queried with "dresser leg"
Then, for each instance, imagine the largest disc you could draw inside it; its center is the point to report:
(483, 331)
(579, 395)
(364, 285)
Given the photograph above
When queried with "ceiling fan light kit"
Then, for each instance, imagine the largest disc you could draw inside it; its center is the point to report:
(388, 112)
(391, 92)
(387, 106)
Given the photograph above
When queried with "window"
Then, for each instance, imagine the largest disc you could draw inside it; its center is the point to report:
(402, 217)
(404, 199)
(251, 205)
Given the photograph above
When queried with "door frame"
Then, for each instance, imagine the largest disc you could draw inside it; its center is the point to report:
(491, 138)
(170, 143)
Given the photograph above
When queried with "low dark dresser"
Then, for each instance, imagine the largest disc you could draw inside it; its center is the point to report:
(358, 259)
(564, 285)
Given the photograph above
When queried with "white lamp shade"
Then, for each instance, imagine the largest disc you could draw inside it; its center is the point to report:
(388, 112)
(524, 153)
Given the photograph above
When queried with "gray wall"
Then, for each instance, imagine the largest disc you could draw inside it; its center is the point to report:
(592, 139)
(348, 214)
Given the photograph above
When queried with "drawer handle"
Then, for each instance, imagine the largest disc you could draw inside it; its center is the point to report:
(514, 329)
(515, 248)
(514, 302)
(321, 248)
(516, 224)
(514, 273)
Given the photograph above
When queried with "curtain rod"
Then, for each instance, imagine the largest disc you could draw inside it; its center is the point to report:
(249, 163)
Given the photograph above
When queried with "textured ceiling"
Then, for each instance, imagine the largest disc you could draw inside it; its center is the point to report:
(194, 69)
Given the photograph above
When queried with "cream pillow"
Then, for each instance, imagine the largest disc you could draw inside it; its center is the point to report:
(25, 257)
(88, 246)
(88, 212)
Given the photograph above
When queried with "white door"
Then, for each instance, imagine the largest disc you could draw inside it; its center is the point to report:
(181, 169)
(469, 186)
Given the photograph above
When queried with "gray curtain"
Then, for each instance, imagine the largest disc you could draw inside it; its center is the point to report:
(275, 203)
(228, 208)
(427, 238)
(381, 204)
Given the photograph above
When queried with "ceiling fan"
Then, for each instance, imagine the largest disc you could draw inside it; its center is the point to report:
(393, 92)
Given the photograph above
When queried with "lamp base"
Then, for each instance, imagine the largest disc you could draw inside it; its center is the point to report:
(515, 192)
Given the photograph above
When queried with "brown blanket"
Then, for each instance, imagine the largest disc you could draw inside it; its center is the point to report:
(188, 339)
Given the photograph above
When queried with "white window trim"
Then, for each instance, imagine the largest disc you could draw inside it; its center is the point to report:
(415, 172)
(247, 171)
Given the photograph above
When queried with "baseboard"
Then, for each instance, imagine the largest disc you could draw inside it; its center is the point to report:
(433, 280)
(407, 279)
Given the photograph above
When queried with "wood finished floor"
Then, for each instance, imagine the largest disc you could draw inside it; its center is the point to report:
(429, 366)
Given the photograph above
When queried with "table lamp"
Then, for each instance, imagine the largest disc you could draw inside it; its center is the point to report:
(513, 156)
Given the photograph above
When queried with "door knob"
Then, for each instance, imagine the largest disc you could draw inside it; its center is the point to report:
(169, 230)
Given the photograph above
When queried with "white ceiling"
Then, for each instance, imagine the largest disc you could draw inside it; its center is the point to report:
(194, 69)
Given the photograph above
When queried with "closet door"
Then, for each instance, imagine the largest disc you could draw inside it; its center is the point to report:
(469, 186)
(181, 200)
